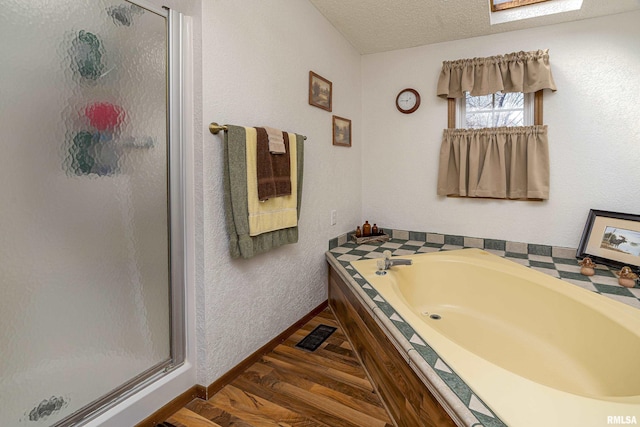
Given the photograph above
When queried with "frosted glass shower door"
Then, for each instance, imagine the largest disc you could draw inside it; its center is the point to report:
(84, 218)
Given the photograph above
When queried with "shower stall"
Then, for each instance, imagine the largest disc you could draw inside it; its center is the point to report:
(91, 222)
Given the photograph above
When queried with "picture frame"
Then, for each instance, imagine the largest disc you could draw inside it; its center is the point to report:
(320, 92)
(341, 131)
(611, 238)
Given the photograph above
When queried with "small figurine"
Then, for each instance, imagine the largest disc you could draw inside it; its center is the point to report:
(627, 277)
(588, 267)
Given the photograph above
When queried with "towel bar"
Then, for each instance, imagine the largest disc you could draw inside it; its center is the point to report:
(215, 128)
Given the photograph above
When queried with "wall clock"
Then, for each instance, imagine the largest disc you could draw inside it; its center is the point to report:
(408, 101)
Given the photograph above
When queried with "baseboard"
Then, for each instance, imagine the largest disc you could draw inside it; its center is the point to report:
(197, 391)
(202, 392)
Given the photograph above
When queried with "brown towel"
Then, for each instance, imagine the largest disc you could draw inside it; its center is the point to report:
(274, 170)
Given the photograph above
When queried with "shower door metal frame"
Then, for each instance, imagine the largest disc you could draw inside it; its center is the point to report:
(176, 226)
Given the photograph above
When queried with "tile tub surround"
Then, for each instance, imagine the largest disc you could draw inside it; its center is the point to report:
(457, 395)
(556, 261)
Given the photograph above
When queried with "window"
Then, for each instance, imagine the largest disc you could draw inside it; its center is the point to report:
(496, 110)
(497, 5)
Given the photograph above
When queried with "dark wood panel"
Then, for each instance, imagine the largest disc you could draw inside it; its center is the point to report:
(406, 397)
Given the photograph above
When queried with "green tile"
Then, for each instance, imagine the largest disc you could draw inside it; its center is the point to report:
(333, 243)
(498, 245)
(516, 255)
(612, 289)
(456, 385)
(572, 275)
(418, 235)
(605, 273)
(405, 329)
(410, 247)
(539, 249)
(453, 240)
(541, 264)
(566, 261)
(358, 252)
(427, 353)
(385, 307)
(432, 245)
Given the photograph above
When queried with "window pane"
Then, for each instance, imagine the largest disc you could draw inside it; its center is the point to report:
(508, 118)
(476, 103)
(513, 100)
(478, 120)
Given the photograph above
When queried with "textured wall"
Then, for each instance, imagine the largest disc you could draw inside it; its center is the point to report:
(256, 60)
(593, 134)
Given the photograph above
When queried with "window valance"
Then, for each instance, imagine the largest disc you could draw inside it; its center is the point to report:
(515, 72)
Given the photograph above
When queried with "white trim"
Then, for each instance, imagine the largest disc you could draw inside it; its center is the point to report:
(151, 398)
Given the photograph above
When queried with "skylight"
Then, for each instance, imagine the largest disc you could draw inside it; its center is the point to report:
(497, 5)
(503, 11)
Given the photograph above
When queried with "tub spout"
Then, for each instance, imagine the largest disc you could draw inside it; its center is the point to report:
(388, 262)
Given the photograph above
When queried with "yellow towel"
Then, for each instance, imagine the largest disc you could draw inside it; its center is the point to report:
(278, 212)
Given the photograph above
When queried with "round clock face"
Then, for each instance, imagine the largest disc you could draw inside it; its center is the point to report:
(408, 101)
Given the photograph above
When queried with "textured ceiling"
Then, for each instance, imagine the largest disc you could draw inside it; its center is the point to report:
(373, 26)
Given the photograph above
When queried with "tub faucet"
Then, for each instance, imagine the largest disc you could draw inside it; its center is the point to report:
(388, 262)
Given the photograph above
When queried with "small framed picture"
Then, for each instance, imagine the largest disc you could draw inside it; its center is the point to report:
(320, 92)
(611, 238)
(341, 131)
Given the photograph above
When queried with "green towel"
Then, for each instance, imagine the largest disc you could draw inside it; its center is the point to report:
(241, 244)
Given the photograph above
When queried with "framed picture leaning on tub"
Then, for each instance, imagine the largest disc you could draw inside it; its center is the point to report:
(611, 238)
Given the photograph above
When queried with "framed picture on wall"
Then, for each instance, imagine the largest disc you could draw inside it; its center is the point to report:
(341, 131)
(611, 238)
(320, 92)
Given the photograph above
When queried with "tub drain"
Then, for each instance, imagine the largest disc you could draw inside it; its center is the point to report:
(435, 317)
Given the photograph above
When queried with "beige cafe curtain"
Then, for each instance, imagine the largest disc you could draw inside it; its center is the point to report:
(515, 72)
(506, 163)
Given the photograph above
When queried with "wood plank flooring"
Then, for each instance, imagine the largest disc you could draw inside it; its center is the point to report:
(290, 387)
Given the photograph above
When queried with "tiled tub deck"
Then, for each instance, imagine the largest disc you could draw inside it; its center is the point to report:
(556, 261)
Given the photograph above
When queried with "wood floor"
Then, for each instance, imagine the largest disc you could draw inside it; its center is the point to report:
(294, 387)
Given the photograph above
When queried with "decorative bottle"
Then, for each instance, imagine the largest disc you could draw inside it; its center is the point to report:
(366, 229)
(374, 230)
(358, 232)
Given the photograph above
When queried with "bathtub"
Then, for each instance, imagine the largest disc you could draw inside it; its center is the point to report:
(537, 350)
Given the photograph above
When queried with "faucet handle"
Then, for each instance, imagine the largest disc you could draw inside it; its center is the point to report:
(387, 254)
(381, 264)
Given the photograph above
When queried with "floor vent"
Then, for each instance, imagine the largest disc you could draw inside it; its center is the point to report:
(316, 337)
